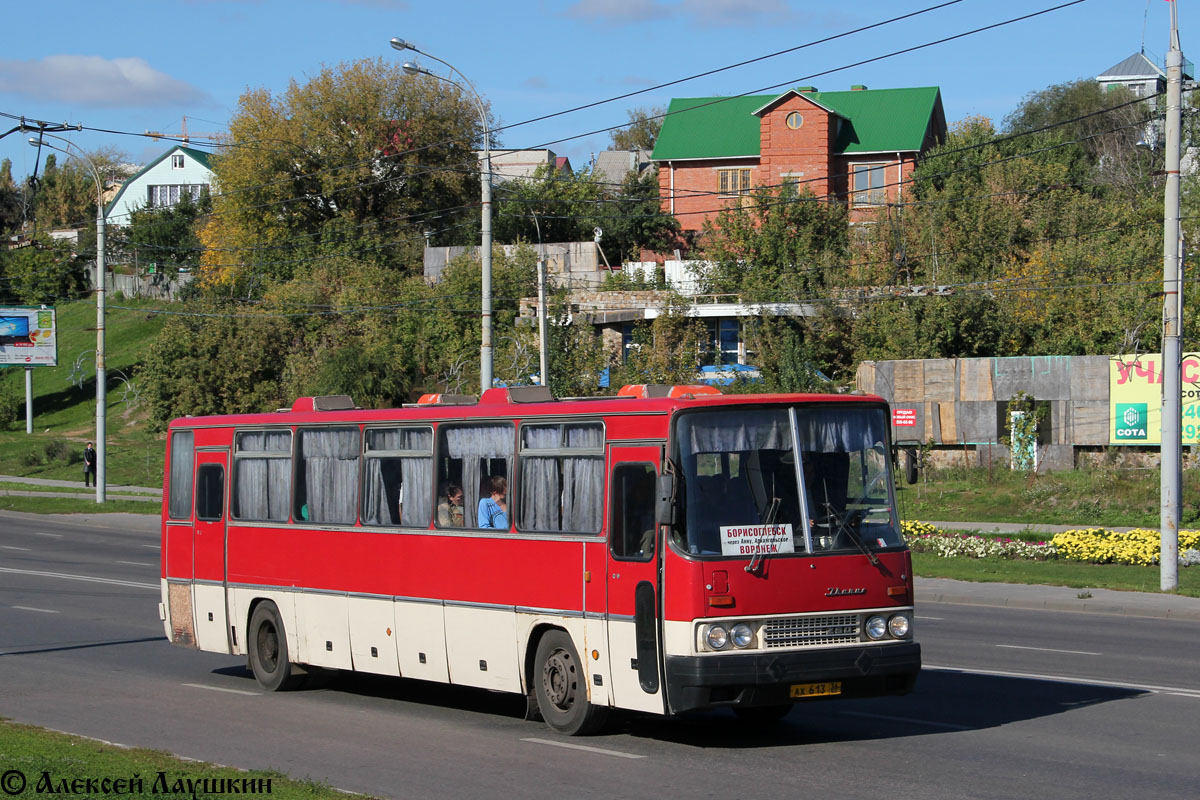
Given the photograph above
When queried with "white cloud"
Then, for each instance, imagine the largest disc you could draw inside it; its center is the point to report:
(619, 10)
(738, 12)
(95, 81)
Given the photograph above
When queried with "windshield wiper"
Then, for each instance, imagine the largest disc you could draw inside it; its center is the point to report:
(849, 524)
(767, 523)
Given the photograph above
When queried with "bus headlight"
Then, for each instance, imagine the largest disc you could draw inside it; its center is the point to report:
(898, 626)
(742, 635)
(716, 637)
(876, 628)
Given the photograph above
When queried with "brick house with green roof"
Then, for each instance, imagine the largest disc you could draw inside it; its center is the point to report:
(858, 147)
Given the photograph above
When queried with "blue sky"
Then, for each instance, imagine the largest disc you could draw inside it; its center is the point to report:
(137, 65)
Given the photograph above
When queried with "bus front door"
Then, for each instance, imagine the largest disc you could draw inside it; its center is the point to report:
(208, 550)
(633, 585)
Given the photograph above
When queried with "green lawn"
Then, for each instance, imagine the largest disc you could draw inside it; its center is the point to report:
(66, 413)
(68, 762)
(1108, 497)
(83, 505)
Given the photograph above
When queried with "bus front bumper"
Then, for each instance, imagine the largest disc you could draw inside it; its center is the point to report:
(767, 678)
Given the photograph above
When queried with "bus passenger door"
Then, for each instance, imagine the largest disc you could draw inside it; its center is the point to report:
(208, 550)
(633, 586)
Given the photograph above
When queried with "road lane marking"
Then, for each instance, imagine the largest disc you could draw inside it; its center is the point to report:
(584, 747)
(947, 725)
(137, 563)
(10, 547)
(51, 535)
(151, 546)
(1142, 687)
(31, 608)
(1050, 650)
(221, 689)
(922, 616)
(87, 578)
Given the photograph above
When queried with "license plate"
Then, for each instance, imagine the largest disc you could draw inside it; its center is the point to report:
(816, 689)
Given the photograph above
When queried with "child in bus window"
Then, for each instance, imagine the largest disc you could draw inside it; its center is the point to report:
(493, 510)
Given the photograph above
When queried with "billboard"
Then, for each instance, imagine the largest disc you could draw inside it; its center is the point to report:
(1135, 399)
(28, 337)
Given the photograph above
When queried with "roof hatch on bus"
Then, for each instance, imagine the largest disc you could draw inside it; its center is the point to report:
(652, 390)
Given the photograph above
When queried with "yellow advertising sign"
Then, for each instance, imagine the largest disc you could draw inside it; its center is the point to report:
(1135, 399)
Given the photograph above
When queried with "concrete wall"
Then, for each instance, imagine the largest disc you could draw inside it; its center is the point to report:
(570, 264)
(156, 287)
(959, 403)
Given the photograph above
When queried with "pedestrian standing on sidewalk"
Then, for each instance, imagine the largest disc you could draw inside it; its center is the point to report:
(89, 465)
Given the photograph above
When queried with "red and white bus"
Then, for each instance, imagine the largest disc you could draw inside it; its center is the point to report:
(665, 550)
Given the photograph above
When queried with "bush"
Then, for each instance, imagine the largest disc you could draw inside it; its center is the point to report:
(31, 458)
(10, 407)
(58, 450)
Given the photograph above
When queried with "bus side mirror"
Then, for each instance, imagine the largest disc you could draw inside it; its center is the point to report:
(664, 505)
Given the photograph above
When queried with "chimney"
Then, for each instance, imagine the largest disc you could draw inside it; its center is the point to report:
(858, 87)
(806, 89)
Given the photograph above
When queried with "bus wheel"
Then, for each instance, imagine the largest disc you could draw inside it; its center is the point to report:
(763, 715)
(268, 650)
(560, 685)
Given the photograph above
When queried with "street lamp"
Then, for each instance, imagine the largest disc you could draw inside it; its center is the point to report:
(101, 380)
(485, 348)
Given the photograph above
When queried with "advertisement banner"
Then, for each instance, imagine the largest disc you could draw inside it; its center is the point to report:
(1135, 399)
(28, 337)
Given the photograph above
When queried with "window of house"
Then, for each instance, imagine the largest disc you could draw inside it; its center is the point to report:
(794, 120)
(734, 182)
(177, 162)
(398, 476)
(562, 477)
(723, 338)
(327, 476)
(867, 184)
(159, 196)
(262, 475)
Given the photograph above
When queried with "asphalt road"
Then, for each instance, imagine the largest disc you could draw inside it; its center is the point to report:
(1014, 702)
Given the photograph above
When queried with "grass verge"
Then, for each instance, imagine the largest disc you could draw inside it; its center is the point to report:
(28, 753)
(82, 505)
(1122, 577)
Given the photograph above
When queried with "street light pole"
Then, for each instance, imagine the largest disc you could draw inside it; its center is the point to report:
(485, 256)
(1171, 449)
(101, 377)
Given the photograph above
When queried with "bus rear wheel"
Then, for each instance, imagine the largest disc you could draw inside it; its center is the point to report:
(269, 651)
(560, 685)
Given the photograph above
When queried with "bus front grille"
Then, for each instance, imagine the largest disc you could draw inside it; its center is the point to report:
(811, 631)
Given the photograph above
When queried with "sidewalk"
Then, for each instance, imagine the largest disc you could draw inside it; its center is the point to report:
(1056, 598)
(112, 487)
(1014, 527)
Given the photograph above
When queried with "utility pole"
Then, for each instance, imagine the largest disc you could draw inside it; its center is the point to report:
(1171, 457)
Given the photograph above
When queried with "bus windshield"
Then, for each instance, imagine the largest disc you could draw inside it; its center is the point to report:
(773, 481)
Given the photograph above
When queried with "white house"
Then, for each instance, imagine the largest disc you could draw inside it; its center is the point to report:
(162, 182)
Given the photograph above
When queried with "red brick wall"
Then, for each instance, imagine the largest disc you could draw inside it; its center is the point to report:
(804, 153)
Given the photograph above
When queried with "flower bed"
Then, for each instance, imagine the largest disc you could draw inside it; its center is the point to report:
(925, 538)
(1140, 546)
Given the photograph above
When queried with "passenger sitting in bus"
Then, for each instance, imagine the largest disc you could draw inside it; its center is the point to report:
(450, 507)
(493, 511)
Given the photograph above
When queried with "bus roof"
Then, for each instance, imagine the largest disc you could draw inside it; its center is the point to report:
(503, 402)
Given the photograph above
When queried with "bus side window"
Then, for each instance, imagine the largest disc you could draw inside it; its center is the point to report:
(632, 534)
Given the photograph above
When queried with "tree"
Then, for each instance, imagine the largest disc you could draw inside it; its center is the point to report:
(780, 246)
(11, 201)
(363, 146)
(166, 238)
(43, 271)
(641, 132)
(64, 196)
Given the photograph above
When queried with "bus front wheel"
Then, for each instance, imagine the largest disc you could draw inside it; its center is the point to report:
(269, 651)
(560, 685)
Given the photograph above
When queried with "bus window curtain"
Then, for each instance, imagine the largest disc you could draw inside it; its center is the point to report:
(583, 481)
(833, 430)
(182, 461)
(331, 475)
(388, 478)
(262, 485)
(378, 507)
